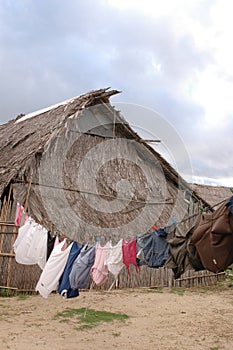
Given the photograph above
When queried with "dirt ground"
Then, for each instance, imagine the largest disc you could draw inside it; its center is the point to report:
(158, 319)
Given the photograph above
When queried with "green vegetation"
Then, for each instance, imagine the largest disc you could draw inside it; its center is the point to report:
(178, 291)
(9, 293)
(89, 318)
(5, 293)
(229, 277)
(23, 296)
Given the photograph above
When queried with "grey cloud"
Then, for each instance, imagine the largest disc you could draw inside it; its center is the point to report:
(211, 151)
(81, 48)
(53, 50)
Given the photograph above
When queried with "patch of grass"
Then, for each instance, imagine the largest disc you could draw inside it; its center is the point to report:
(90, 318)
(178, 291)
(215, 348)
(229, 277)
(23, 296)
(5, 293)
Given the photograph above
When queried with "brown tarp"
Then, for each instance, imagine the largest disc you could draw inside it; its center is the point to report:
(213, 239)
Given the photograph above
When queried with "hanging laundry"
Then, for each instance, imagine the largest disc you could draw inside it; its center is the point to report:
(193, 255)
(213, 238)
(114, 258)
(30, 246)
(183, 254)
(64, 287)
(21, 216)
(53, 269)
(154, 247)
(81, 270)
(57, 242)
(129, 251)
(50, 244)
(178, 260)
(99, 271)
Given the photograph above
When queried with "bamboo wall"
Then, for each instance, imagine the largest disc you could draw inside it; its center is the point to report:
(12, 274)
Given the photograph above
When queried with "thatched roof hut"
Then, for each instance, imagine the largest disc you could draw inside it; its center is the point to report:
(83, 171)
(212, 194)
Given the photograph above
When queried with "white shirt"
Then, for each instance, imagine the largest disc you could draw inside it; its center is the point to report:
(30, 246)
(53, 269)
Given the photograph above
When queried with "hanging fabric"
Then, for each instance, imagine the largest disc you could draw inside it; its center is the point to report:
(53, 269)
(99, 271)
(213, 238)
(154, 247)
(20, 216)
(64, 287)
(50, 244)
(30, 246)
(114, 258)
(81, 270)
(129, 251)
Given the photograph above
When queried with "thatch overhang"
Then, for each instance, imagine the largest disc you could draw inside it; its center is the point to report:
(212, 194)
(27, 142)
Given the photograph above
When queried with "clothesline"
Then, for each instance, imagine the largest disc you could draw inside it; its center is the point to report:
(30, 248)
(166, 201)
(69, 268)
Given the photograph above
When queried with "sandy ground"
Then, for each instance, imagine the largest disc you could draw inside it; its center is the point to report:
(158, 319)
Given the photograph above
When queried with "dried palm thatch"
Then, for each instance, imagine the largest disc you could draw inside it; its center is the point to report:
(121, 188)
(212, 194)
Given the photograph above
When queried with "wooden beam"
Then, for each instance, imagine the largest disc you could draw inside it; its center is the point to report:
(3, 223)
(142, 140)
(10, 255)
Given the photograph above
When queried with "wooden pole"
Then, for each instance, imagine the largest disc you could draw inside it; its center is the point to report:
(27, 195)
(11, 255)
(4, 218)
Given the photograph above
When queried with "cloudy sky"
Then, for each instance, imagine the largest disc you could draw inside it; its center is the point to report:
(172, 56)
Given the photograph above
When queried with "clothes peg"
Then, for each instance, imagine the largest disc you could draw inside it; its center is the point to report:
(201, 208)
(173, 220)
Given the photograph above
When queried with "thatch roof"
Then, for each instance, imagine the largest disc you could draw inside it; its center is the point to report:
(212, 194)
(27, 142)
(20, 141)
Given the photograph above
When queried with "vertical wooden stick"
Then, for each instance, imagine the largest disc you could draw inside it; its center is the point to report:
(13, 237)
(27, 195)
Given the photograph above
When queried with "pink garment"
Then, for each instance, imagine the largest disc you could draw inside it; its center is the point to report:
(20, 216)
(99, 270)
(129, 251)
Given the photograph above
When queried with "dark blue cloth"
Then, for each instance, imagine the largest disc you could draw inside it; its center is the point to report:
(229, 205)
(64, 283)
(154, 247)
